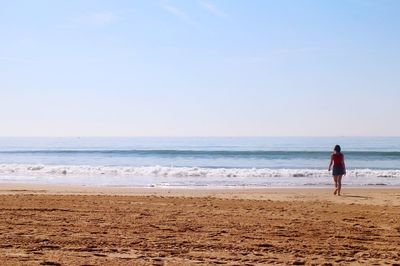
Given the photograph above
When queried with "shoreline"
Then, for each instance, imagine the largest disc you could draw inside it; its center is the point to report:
(383, 196)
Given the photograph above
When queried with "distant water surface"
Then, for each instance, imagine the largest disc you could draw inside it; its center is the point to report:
(220, 161)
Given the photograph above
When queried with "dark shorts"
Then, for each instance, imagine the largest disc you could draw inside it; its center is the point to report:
(338, 170)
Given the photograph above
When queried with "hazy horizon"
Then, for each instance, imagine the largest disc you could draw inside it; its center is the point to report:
(194, 136)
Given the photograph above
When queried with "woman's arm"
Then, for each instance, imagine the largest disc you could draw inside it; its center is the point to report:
(344, 166)
(330, 164)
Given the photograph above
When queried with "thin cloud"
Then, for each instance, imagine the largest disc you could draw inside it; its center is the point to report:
(17, 59)
(299, 50)
(96, 18)
(211, 8)
(270, 56)
(365, 3)
(177, 12)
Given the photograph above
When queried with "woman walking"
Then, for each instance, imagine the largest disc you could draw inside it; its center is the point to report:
(339, 168)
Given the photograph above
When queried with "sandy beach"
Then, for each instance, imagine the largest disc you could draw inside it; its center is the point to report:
(62, 225)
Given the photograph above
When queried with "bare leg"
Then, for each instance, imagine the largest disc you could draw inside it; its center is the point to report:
(339, 184)
(335, 178)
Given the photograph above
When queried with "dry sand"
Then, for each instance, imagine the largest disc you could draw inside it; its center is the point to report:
(52, 225)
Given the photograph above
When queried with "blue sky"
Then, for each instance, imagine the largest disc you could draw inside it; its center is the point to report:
(199, 68)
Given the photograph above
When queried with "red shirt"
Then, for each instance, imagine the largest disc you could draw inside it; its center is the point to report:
(337, 159)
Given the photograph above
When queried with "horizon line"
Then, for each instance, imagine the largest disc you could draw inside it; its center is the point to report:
(205, 136)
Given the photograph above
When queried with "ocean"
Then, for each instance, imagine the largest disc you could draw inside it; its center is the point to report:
(198, 162)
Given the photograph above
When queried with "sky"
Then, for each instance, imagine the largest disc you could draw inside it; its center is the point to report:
(199, 68)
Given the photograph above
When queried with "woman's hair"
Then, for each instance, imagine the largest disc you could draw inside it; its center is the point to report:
(337, 148)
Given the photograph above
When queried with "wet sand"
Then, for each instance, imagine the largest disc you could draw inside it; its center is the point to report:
(62, 225)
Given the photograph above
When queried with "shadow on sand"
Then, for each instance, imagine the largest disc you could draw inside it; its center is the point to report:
(355, 196)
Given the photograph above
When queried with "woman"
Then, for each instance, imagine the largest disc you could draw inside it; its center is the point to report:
(339, 169)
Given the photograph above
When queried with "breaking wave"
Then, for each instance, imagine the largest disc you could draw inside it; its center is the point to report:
(162, 171)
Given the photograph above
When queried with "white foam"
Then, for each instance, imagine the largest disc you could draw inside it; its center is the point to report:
(162, 171)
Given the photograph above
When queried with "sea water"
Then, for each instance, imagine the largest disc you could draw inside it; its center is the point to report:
(198, 162)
